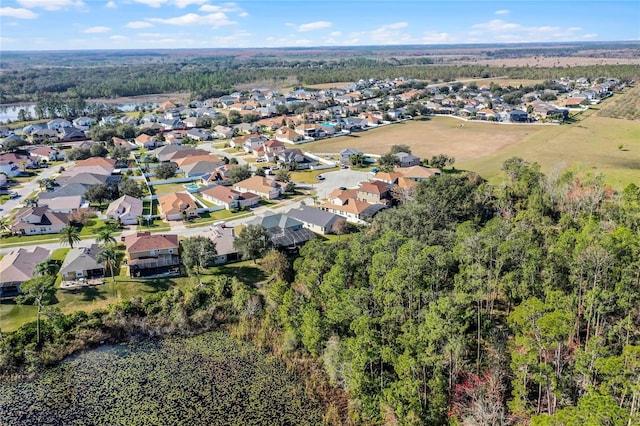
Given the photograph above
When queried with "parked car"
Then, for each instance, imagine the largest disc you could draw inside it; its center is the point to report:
(320, 177)
(13, 195)
(261, 160)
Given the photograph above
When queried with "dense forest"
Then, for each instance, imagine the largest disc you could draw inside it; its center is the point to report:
(213, 76)
(470, 304)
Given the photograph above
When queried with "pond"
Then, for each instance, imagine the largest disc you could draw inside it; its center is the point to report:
(209, 379)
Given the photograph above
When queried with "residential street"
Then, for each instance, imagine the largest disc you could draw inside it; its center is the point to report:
(30, 187)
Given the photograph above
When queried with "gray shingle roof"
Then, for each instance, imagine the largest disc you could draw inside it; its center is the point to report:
(313, 216)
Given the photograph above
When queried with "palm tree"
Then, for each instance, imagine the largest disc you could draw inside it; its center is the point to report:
(109, 256)
(31, 202)
(69, 236)
(5, 224)
(104, 236)
(45, 267)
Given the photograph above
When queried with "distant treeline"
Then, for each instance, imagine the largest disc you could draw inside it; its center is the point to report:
(212, 76)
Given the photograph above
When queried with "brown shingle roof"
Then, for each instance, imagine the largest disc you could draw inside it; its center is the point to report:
(145, 241)
(176, 203)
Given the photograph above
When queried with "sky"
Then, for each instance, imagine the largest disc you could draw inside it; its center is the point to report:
(171, 24)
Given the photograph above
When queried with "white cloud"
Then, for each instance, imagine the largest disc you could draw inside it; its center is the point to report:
(213, 19)
(503, 12)
(7, 40)
(151, 35)
(19, 13)
(390, 34)
(152, 3)
(51, 4)
(589, 36)
(118, 38)
(243, 14)
(432, 37)
(111, 5)
(497, 25)
(96, 30)
(312, 26)
(224, 7)
(139, 24)
(335, 34)
(238, 39)
(184, 3)
(506, 32)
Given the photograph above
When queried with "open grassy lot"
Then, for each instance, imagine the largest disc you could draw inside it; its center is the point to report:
(12, 315)
(438, 135)
(591, 142)
(626, 106)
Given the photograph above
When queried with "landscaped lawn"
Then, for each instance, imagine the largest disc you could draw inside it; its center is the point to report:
(309, 176)
(87, 299)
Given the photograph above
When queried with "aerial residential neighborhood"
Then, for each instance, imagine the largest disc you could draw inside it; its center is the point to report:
(179, 167)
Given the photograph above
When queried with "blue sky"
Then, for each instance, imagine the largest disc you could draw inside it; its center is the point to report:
(142, 24)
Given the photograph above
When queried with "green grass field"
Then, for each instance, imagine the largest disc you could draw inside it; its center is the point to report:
(590, 142)
(12, 315)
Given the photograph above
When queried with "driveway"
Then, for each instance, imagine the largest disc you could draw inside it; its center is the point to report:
(337, 178)
(30, 187)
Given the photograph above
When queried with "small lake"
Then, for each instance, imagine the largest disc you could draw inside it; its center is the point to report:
(209, 379)
(10, 112)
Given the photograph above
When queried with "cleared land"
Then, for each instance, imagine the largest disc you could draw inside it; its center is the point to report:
(439, 135)
(599, 144)
(626, 107)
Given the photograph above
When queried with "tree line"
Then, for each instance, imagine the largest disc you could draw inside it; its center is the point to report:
(204, 80)
(470, 304)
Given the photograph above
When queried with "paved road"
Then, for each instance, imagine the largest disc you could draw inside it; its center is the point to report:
(29, 187)
(337, 178)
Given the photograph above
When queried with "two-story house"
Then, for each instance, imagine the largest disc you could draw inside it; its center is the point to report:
(260, 185)
(177, 206)
(38, 221)
(152, 254)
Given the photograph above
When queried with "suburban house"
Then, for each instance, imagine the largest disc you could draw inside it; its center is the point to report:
(198, 165)
(123, 143)
(152, 254)
(287, 135)
(126, 209)
(316, 220)
(223, 132)
(58, 124)
(286, 232)
(346, 154)
(44, 135)
(146, 141)
(311, 130)
(46, 153)
(388, 177)
(198, 134)
(108, 164)
(218, 175)
(294, 159)
(260, 185)
(229, 198)
(518, 116)
(17, 267)
(84, 123)
(272, 148)
(374, 192)
(38, 221)
(66, 199)
(346, 204)
(82, 263)
(70, 134)
(224, 237)
(407, 160)
(177, 206)
(417, 173)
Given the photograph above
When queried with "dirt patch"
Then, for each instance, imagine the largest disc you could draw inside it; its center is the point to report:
(463, 140)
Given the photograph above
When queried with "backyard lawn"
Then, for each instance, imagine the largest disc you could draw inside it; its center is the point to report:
(12, 315)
